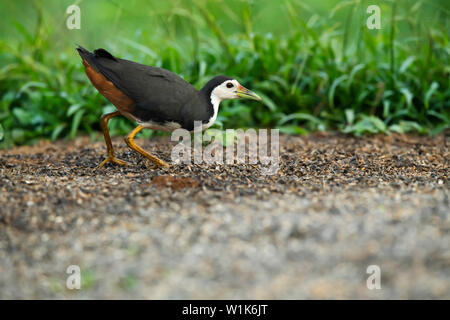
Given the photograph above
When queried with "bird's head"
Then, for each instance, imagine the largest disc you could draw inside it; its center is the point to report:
(222, 88)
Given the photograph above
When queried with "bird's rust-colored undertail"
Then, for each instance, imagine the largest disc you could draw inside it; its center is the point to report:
(120, 100)
(124, 105)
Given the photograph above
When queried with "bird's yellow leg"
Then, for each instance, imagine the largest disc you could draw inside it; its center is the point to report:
(130, 142)
(104, 125)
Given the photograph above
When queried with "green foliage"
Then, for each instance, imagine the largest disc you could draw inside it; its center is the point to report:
(323, 73)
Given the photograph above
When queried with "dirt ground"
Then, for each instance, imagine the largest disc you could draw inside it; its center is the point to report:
(336, 206)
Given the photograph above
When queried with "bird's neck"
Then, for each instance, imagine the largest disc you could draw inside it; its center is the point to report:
(212, 102)
(215, 101)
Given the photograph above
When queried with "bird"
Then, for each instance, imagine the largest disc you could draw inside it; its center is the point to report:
(154, 98)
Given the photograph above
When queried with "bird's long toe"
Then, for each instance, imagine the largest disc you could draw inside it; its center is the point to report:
(158, 163)
(114, 160)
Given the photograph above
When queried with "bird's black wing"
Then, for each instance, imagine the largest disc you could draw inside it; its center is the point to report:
(160, 95)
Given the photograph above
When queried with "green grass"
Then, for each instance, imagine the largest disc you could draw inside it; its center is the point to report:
(321, 69)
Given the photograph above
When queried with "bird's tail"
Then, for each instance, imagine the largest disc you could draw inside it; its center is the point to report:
(93, 58)
(102, 53)
(88, 57)
(84, 54)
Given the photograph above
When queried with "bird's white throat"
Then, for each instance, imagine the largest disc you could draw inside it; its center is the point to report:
(215, 101)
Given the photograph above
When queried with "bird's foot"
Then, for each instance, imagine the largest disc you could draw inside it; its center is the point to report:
(113, 159)
(158, 163)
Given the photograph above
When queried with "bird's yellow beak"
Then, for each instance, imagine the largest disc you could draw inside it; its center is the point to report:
(245, 93)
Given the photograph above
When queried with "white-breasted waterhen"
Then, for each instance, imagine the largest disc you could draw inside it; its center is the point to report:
(154, 98)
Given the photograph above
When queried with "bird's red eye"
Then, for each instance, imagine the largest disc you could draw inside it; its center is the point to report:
(230, 85)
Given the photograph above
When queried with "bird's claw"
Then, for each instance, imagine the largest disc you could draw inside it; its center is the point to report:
(114, 160)
(159, 164)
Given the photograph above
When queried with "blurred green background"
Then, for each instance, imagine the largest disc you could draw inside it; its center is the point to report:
(315, 63)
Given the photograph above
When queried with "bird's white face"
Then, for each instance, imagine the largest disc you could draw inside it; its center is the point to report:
(231, 89)
(227, 90)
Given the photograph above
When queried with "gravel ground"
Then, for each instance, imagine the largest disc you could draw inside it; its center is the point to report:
(337, 205)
